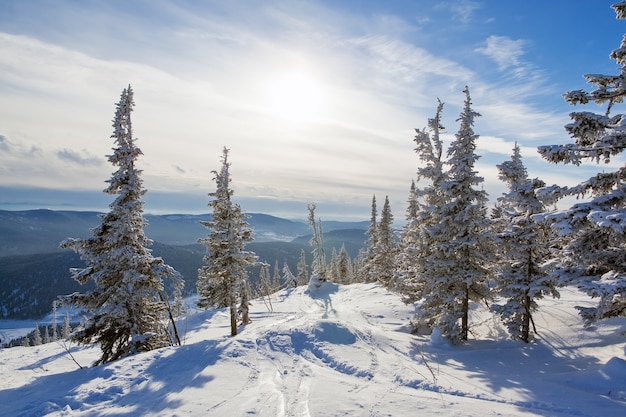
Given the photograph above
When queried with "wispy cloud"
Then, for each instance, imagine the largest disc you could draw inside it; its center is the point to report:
(83, 158)
(504, 51)
(201, 73)
(463, 10)
(18, 150)
(4, 143)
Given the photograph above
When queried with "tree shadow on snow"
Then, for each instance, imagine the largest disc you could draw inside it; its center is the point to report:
(322, 292)
(537, 373)
(121, 385)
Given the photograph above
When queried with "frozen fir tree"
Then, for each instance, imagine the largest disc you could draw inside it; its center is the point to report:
(66, 330)
(37, 340)
(524, 247)
(332, 267)
(303, 275)
(594, 254)
(222, 281)
(127, 310)
(409, 236)
(344, 266)
(459, 256)
(46, 335)
(276, 278)
(54, 337)
(318, 265)
(385, 249)
(425, 205)
(288, 278)
(366, 255)
(265, 282)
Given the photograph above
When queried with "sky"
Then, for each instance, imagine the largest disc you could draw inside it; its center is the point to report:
(316, 100)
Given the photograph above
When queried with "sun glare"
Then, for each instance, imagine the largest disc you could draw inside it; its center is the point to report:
(295, 97)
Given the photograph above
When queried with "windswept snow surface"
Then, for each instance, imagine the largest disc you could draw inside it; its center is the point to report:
(334, 351)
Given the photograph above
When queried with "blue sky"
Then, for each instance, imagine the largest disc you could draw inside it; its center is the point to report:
(316, 100)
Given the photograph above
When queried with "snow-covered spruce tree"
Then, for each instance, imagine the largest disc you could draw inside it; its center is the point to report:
(37, 336)
(332, 270)
(318, 265)
(127, 311)
(459, 259)
(424, 208)
(276, 278)
(265, 282)
(222, 281)
(385, 249)
(288, 277)
(525, 246)
(303, 275)
(403, 272)
(594, 255)
(66, 330)
(344, 266)
(366, 256)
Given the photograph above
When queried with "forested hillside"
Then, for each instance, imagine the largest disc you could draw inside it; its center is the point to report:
(34, 270)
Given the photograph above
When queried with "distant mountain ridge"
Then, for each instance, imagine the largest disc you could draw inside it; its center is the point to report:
(34, 270)
(40, 231)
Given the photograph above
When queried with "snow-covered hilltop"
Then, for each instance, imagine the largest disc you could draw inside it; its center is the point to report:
(334, 351)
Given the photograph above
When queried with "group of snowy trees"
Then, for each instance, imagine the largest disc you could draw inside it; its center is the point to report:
(129, 310)
(452, 251)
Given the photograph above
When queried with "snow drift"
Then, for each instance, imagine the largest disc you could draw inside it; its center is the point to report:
(334, 351)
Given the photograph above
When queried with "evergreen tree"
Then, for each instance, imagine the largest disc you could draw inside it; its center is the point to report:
(54, 336)
(524, 248)
(46, 335)
(334, 266)
(317, 241)
(425, 206)
(265, 283)
(127, 308)
(366, 255)
(37, 336)
(303, 275)
(357, 267)
(344, 266)
(459, 255)
(276, 278)
(385, 248)
(66, 330)
(288, 276)
(222, 281)
(594, 255)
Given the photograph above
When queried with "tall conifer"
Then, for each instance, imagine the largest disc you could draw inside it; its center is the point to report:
(223, 280)
(594, 255)
(128, 310)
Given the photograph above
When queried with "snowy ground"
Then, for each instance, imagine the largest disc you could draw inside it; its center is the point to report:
(338, 351)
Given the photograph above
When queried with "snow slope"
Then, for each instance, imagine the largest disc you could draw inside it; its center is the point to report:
(334, 351)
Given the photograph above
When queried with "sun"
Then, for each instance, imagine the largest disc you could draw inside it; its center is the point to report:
(295, 97)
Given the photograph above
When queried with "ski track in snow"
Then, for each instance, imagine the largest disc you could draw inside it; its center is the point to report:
(334, 351)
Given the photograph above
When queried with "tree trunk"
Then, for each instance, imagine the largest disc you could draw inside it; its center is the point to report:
(233, 320)
(465, 316)
(526, 320)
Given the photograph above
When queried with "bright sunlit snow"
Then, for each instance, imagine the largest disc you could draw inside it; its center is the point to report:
(334, 351)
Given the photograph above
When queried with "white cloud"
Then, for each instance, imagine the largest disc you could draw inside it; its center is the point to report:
(201, 73)
(463, 10)
(504, 51)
